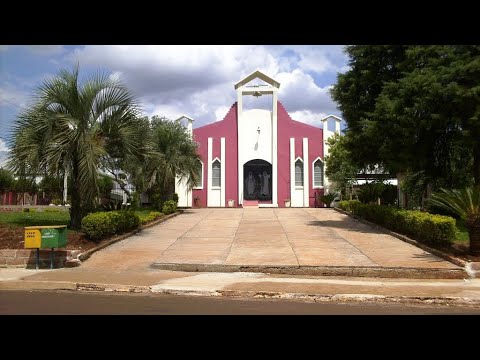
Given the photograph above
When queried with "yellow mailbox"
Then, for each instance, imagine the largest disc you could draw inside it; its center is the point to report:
(33, 238)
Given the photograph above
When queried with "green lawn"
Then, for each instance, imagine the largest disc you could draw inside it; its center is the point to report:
(17, 218)
(34, 218)
(144, 212)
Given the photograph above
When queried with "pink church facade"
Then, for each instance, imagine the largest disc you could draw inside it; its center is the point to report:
(258, 157)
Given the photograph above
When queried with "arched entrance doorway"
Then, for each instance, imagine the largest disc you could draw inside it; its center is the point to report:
(257, 184)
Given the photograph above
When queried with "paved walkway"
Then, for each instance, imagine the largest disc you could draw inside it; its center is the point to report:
(282, 237)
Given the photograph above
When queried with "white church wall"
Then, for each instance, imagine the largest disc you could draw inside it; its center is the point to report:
(253, 144)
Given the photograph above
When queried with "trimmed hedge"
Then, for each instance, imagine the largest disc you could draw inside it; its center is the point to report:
(152, 215)
(422, 226)
(101, 224)
(348, 204)
(169, 207)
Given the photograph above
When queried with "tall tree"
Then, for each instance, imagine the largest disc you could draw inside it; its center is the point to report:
(72, 126)
(7, 180)
(356, 93)
(339, 166)
(170, 153)
(174, 154)
(414, 108)
(430, 117)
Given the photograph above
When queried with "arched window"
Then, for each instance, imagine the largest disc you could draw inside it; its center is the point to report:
(318, 173)
(299, 172)
(200, 175)
(216, 173)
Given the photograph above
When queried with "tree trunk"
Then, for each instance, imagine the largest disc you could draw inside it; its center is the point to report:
(75, 206)
(476, 163)
(474, 234)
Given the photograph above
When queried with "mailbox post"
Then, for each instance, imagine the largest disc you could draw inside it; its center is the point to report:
(44, 237)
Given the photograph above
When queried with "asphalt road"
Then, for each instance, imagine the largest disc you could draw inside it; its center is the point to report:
(17, 302)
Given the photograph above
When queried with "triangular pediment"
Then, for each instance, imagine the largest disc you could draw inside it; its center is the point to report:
(184, 117)
(257, 75)
(332, 117)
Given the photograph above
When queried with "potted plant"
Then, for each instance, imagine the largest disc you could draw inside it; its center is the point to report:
(327, 199)
(287, 202)
(231, 203)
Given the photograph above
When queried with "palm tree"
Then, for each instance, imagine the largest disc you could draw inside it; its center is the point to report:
(466, 204)
(173, 154)
(71, 127)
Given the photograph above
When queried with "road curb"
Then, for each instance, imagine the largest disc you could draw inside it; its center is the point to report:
(339, 298)
(344, 271)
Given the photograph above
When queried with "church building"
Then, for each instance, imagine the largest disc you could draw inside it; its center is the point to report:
(259, 157)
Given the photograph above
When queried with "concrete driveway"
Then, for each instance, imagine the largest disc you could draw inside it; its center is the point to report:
(283, 237)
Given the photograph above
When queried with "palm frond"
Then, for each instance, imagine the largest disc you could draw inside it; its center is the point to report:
(73, 125)
(465, 202)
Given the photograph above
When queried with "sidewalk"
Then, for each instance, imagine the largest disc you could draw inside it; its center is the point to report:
(285, 239)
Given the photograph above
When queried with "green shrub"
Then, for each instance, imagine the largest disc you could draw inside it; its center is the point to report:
(156, 200)
(101, 224)
(152, 215)
(135, 201)
(328, 199)
(389, 195)
(348, 205)
(175, 197)
(169, 207)
(113, 205)
(422, 226)
(98, 225)
(370, 192)
(56, 201)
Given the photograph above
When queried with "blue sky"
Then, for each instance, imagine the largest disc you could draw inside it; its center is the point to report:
(176, 80)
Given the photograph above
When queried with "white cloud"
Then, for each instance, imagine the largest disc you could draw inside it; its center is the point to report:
(220, 112)
(4, 152)
(198, 80)
(45, 50)
(10, 95)
(298, 91)
(3, 146)
(308, 117)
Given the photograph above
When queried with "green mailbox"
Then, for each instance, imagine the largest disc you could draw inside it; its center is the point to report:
(54, 237)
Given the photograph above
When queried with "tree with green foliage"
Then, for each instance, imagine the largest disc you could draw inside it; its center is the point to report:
(170, 153)
(356, 92)
(130, 169)
(429, 118)
(174, 155)
(71, 127)
(414, 108)
(7, 180)
(339, 166)
(52, 185)
(466, 204)
(105, 186)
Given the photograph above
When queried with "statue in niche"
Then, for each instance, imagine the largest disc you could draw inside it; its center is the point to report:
(250, 184)
(265, 177)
